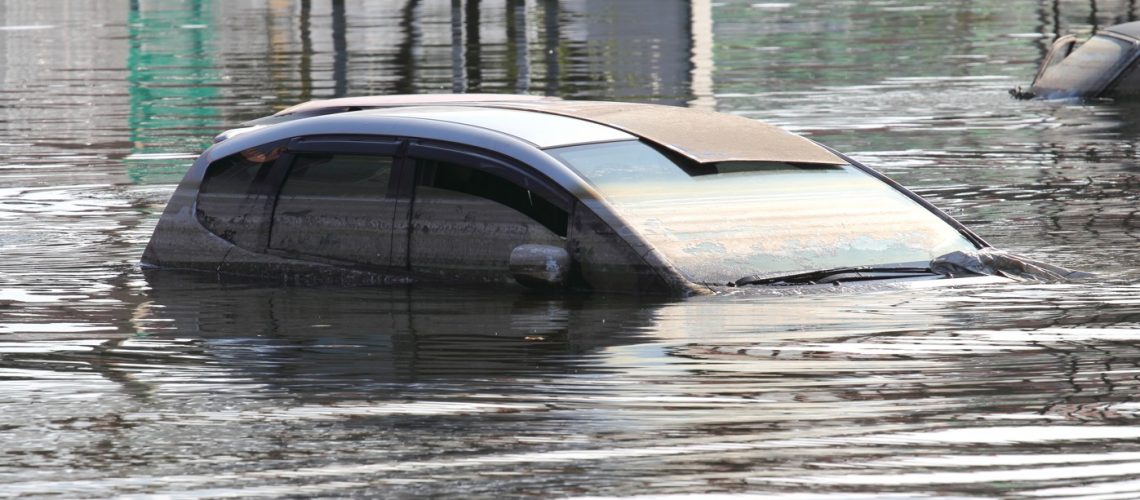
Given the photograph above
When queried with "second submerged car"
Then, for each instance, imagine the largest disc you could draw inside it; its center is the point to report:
(1104, 66)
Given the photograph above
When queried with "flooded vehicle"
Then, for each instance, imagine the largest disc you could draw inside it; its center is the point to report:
(1104, 66)
(545, 193)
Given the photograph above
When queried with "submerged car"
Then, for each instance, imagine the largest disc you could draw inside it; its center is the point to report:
(545, 193)
(1104, 66)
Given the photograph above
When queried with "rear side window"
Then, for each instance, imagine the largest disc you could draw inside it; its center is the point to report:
(336, 177)
(233, 201)
(338, 207)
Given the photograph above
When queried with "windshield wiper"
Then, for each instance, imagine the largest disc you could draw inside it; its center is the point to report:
(836, 275)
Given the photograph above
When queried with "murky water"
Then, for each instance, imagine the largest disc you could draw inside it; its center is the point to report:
(116, 383)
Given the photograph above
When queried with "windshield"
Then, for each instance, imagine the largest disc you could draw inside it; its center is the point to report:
(722, 221)
(1085, 71)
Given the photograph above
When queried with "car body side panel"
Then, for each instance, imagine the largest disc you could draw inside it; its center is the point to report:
(311, 271)
(179, 239)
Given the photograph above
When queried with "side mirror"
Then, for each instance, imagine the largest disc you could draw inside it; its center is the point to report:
(540, 266)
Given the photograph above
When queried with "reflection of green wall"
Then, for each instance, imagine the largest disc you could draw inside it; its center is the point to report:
(173, 85)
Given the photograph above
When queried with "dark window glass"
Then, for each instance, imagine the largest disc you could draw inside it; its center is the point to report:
(1129, 83)
(232, 200)
(336, 206)
(465, 222)
(451, 177)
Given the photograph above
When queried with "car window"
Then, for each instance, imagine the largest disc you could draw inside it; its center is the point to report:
(467, 219)
(1129, 82)
(445, 176)
(722, 222)
(1060, 49)
(232, 200)
(338, 207)
(1086, 70)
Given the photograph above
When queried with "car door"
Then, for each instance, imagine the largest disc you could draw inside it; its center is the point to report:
(338, 202)
(470, 209)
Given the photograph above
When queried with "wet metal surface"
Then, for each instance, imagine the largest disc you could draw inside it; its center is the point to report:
(116, 383)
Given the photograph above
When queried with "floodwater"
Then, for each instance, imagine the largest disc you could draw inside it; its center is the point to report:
(116, 383)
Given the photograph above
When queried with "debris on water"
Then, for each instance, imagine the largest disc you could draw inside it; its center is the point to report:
(993, 262)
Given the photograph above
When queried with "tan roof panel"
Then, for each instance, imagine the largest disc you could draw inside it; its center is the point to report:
(702, 136)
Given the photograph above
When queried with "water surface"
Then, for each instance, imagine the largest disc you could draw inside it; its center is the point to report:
(118, 383)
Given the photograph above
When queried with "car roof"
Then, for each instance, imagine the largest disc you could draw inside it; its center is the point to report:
(701, 136)
(376, 101)
(543, 130)
(1127, 29)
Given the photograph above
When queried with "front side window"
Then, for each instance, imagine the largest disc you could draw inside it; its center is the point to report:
(337, 207)
(467, 220)
(440, 178)
(720, 222)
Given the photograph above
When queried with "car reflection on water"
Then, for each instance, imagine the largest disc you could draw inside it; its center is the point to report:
(549, 193)
(385, 334)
